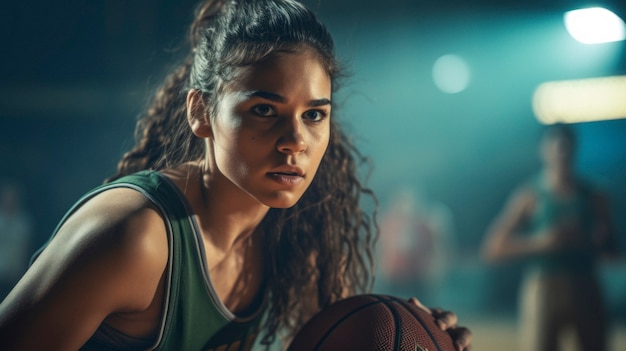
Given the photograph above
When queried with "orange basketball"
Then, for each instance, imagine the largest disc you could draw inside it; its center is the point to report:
(372, 323)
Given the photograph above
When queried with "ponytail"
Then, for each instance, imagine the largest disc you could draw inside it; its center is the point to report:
(162, 129)
(163, 138)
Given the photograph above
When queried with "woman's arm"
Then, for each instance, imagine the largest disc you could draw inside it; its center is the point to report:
(108, 257)
(502, 241)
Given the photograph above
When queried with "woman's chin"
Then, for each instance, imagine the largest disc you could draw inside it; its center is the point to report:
(283, 201)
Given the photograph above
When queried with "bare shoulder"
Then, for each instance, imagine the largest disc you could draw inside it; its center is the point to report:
(118, 228)
(107, 257)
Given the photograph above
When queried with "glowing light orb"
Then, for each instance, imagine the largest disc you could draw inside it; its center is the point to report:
(451, 74)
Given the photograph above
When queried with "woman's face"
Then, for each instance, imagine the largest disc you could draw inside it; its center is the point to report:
(271, 127)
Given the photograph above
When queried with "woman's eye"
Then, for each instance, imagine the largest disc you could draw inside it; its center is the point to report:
(315, 115)
(264, 110)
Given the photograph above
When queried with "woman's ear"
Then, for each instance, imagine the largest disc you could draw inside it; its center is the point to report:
(197, 114)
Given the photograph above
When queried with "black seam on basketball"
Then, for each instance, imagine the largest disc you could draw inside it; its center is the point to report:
(419, 318)
(330, 330)
(396, 321)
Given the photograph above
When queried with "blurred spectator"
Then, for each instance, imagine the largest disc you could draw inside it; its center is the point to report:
(414, 234)
(15, 237)
(560, 225)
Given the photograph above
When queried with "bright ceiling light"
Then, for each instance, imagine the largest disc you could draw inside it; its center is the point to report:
(582, 100)
(595, 25)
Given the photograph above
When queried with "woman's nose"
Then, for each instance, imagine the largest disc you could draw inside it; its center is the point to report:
(292, 140)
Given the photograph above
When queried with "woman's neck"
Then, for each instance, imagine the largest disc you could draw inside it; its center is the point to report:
(560, 179)
(226, 215)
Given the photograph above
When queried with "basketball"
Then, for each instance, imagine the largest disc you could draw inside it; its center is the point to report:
(373, 323)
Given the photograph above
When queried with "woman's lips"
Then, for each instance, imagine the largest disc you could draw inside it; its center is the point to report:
(288, 178)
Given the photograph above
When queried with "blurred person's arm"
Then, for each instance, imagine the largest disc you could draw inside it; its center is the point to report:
(504, 240)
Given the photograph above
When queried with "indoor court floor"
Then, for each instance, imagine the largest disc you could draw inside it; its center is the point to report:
(500, 334)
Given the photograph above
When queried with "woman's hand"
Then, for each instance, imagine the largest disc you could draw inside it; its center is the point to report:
(461, 336)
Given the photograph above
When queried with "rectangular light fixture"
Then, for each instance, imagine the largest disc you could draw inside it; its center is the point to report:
(582, 100)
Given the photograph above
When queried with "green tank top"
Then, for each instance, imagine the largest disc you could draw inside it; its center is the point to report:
(193, 317)
(548, 211)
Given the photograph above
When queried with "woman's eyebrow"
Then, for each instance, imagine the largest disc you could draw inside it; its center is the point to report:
(278, 98)
(265, 95)
(319, 102)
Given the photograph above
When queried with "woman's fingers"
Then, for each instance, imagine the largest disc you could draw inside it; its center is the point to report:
(447, 320)
(462, 338)
(417, 303)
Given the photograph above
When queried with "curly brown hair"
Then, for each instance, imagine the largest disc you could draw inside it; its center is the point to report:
(323, 245)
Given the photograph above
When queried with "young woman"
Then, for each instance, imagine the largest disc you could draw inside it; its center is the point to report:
(561, 226)
(237, 212)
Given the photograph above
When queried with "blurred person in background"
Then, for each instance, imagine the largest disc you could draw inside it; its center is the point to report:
(415, 244)
(561, 226)
(15, 236)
